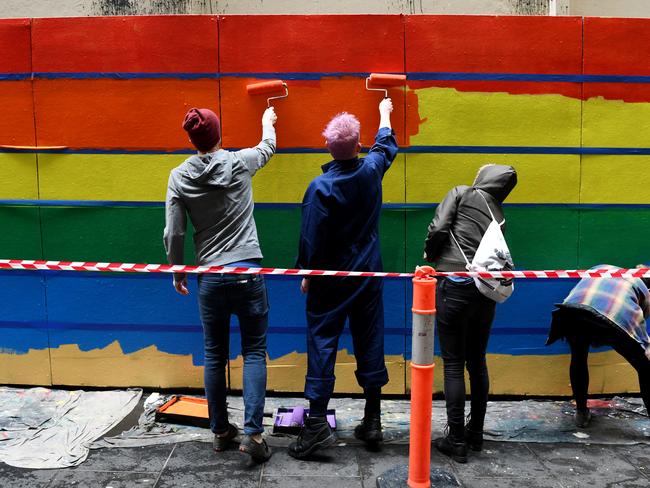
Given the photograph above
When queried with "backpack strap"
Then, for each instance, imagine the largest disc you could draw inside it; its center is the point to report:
(460, 249)
(489, 209)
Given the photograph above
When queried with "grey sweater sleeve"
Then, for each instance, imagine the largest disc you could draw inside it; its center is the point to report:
(255, 158)
(175, 224)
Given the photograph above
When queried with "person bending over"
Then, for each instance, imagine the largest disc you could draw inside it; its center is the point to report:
(214, 188)
(604, 312)
(340, 218)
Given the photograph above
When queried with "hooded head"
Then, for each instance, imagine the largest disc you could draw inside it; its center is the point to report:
(496, 179)
(203, 127)
(342, 136)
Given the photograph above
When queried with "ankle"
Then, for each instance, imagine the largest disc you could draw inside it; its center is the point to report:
(257, 438)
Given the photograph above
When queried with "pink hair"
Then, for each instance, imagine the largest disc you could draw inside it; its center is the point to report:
(342, 136)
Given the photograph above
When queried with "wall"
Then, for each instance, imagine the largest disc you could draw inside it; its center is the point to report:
(563, 99)
(68, 8)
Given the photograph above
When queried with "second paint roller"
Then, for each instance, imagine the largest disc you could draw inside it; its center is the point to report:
(381, 82)
(267, 88)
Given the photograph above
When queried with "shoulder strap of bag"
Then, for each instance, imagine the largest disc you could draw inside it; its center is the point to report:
(489, 209)
(460, 249)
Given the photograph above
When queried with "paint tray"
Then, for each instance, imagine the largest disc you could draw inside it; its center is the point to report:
(291, 420)
(184, 410)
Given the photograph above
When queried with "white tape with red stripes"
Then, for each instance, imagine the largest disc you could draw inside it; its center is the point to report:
(29, 264)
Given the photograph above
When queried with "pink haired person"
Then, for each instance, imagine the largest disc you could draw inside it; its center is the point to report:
(340, 218)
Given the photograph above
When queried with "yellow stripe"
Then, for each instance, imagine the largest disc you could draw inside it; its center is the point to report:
(117, 177)
(18, 177)
(110, 366)
(541, 178)
(615, 123)
(615, 179)
(125, 177)
(454, 118)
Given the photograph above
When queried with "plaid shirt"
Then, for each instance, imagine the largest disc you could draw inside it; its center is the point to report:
(624, 301)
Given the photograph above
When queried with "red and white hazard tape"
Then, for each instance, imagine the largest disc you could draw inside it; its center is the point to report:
(29, 264)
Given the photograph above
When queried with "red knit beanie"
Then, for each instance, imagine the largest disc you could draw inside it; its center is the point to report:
(203, 127)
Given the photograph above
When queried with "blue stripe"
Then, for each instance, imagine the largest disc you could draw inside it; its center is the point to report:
(611, 151)
(295, 205)
(419, 76)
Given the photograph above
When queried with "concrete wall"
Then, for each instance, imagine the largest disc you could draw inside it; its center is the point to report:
(610, 8)
(68, 8)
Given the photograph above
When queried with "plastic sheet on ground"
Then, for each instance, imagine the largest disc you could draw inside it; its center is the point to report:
(616, 421)
(44, 429)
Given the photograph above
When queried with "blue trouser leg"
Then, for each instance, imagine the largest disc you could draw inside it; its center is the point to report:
(325, 322)
(253, 325)
(215, 317)
(367, 328)
(219, 297)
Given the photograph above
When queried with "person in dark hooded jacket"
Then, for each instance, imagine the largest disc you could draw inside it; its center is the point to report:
(464, 315)
(214, 187)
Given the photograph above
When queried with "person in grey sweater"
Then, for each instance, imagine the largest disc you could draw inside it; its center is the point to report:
(214, 188)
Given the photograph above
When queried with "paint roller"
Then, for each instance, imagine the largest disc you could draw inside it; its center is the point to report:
(266, 87)
(385, 81)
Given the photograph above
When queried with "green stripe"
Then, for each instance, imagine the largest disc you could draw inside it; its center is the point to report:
(543, 236)
(20, 237)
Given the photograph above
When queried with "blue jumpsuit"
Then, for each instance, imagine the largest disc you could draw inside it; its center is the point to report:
(340, 218)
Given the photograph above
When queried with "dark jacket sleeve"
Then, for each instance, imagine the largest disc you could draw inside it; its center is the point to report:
(439, 228)
(383, 151)
(312, 246)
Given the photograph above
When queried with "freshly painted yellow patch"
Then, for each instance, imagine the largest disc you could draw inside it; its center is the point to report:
(615, 179)
(127, 177)
(30, 368)
(541, 178)
(455, 118)
(149, 367)
(109, 366)
(18, 177)
(615, 123)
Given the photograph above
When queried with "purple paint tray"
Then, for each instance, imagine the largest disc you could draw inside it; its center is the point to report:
(291, 420)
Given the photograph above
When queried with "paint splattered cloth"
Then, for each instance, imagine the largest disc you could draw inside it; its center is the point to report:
(624, 302)
(45, 429)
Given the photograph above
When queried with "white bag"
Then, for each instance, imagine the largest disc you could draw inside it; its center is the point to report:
(492, 255)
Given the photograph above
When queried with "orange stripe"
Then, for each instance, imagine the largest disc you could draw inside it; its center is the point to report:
(130, 114)
(17, 120)
(310, 105)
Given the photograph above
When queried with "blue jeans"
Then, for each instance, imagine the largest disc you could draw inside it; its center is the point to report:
(220, 296)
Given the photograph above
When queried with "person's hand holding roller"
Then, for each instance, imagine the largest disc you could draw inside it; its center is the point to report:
(269, 117)
(385, 108)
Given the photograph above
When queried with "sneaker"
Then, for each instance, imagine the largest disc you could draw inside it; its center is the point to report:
(455, 450)
(221, 441)
(369, 430)
(583, 418)
(316, 434)
(473, 439)
(259, 451)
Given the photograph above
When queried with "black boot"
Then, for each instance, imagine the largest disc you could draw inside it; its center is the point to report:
(316, 434)
(369, 430)
(474, 439)
(453, 444)
(474, 434)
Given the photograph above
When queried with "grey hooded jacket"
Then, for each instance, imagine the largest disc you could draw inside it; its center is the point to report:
(215, 190)
(463, 211)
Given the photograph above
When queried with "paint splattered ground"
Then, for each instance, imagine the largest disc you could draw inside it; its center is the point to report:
(513, 463)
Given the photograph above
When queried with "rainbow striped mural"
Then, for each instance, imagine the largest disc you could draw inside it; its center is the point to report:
(565, 100)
